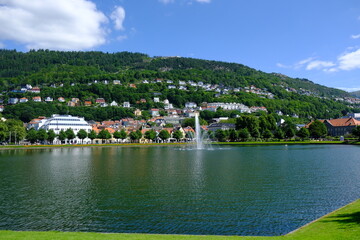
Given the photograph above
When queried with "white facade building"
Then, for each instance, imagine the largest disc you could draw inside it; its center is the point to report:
(65, 122)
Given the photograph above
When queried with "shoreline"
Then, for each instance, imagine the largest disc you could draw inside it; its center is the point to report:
(9, 147)
(339, 224)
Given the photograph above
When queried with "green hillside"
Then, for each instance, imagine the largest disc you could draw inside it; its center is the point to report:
(90, 75)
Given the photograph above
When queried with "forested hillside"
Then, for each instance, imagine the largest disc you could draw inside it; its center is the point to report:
(82, 75)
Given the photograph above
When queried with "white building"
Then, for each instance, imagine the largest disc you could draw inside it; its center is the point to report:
(190, 105)
(64, 122)
(114, 104)
(126, 105)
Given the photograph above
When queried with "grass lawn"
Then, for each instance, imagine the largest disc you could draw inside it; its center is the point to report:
(341, 224)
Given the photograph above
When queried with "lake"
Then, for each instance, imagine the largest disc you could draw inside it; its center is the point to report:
(230, 190)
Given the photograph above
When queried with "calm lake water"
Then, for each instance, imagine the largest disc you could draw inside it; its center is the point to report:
(246, 190)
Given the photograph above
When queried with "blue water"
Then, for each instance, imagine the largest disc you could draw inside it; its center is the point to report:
(236, 190)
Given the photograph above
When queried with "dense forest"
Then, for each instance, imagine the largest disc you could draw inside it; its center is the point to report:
(77, 71)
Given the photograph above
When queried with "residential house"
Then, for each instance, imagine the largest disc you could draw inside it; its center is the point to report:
(340, 126)
(155, 112)
(114, 104)
(137, 112)
(23, 100)
(100, 100)
(126, 105)
(223, 126)
(156, 99)
(190, 105)
(171, 87)
(49, 99)
(36, 99)
(87, 103)
(61, 99)
(132, 85)
(35, 90)
(1, 108)
(13, 100)
(116, 82)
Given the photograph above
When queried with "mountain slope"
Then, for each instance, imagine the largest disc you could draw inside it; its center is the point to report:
(83, 74)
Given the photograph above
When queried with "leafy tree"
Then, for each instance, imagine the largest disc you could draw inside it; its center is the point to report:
(4, 131)
(82, 134)
(16, 130)
(233, 135)
(62, 136)
(268, 134)
(317, 129)
(151, 135)
(92, 135)
(356, 132)
(135, 135)
(279, 133)
(104, 134)
(70, 135)
(289, 129)
(250, 122)
(42, 135)
(303, 133)
(191, 122)
(32, 136)
(51, 135)
(178, 135)
(164, 135)
(123, 134)
(117, 135)
(221, 135)
(244, 134)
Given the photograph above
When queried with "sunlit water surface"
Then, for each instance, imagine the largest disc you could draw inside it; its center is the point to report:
(246, 190)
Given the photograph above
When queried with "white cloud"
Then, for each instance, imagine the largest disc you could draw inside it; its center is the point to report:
(349, 89)
(298, 65)
(355, 36)
(280, 65)
(188, 1)
(122, 38)
(118, 16)
(319, 65)
(349, 61)
(166, 1)
(48, 24)
(203, 1)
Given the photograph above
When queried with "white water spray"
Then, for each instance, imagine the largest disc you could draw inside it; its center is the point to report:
(198, 138)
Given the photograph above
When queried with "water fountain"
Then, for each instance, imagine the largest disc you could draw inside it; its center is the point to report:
(198, 137)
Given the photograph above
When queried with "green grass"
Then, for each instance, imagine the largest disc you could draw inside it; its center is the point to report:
(342, 224)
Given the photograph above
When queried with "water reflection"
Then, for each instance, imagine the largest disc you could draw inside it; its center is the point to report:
(237, 190)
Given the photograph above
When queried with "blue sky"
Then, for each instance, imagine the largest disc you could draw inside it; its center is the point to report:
(318, 40)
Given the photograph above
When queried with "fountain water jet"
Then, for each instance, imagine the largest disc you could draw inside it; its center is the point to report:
(198, 138)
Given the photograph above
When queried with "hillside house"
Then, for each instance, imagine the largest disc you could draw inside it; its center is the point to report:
(340, 126)
(23, 100)
(36, 99)
(126, 105)
(13, 100)
(100, 100)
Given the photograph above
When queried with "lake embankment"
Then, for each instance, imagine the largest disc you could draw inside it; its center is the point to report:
(343, 223)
